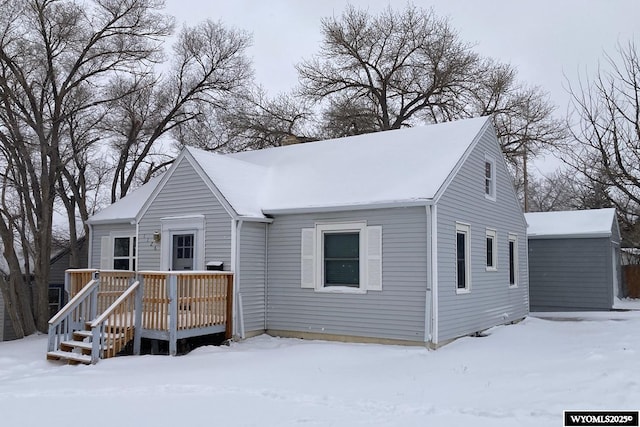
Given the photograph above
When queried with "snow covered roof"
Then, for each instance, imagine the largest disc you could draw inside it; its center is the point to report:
(384, 168)
(388, 167)
(584, 223)
(127, 208)
(241, 183)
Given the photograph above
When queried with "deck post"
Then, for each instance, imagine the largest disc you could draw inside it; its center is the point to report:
(96, 343)
(228, 333)
(173, 314)
(137, 321)
(67, 285)
(93, 305)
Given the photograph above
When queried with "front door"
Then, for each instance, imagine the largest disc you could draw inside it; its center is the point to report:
(182, 252)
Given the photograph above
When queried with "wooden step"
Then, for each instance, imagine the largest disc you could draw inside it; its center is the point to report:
(70, 345)
(69, 356)
(80, 335)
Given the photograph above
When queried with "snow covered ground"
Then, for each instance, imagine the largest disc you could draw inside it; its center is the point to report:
(518, 375)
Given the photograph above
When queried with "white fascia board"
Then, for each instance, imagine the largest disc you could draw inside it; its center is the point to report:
(568, 236)
(349, 207)
(616, 226)
(461, 161)
(127, 221)
(256, 219)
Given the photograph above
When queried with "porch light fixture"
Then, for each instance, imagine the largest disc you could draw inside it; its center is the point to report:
(156, 237)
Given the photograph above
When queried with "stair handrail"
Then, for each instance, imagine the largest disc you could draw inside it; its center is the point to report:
(100, 319)
(98, 324)
(73, 302)
(65, 313)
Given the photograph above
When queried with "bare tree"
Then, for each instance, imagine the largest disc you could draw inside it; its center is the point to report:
(54, 59)
(555, 192)
(409, 67)
(605, 124)
(207, 70)
(523, 116)
(402, 66)
(259, 121)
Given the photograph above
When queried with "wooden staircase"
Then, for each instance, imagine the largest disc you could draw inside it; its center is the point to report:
(78, 349)
(77, 334)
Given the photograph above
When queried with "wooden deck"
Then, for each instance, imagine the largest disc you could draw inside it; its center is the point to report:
(111, 308)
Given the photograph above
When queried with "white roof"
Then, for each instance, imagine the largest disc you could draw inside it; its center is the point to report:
(127, 208)
(584, 223)
(391, 167)
(386, 167)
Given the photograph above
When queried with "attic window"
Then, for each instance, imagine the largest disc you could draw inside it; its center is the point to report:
(489, 177)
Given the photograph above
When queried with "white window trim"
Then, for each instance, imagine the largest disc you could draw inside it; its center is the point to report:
(182, 225)
(516, 271)
(466, 229)
(492, 233)
(132, 249)
(492, 187)
(359, 227)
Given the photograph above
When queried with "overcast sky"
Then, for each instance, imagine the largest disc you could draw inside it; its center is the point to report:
(544, 39)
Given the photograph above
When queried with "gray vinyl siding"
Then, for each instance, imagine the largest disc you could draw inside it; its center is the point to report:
(185, 193)
(62, 263)
(251, 274)
(102, 230)
(571, 274)
(396, 312)
(2, 310)
(490, 301)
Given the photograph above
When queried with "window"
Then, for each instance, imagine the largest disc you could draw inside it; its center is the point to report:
(55, 299)
(491, 250)
(463, 279)
(184, 246)
(513, 260)
(124, 253)
(342, 257)
(489, 178)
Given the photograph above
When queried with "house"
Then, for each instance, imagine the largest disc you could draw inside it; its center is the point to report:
(60, 262)
(574, 260)
(409, 236)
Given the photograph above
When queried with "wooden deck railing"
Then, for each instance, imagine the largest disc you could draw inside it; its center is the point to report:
(190, 299)
(203, 299)
(112, 284)
(169, 304)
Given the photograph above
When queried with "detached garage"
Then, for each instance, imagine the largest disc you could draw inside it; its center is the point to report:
(574, 260)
